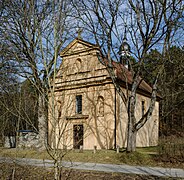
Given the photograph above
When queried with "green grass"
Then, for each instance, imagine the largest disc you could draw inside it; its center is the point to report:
(101, 156)
(143, 156)
(148, 150)
(23, 153)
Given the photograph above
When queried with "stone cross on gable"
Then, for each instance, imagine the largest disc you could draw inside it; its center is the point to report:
(79, 32)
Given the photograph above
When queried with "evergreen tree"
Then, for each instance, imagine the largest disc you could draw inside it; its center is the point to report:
(170, 87)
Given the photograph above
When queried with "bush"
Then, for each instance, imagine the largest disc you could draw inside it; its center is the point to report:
(171, 149)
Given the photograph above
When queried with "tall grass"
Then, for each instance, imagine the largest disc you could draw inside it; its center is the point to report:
(171, 149)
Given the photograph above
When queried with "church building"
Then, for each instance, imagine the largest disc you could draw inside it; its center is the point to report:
(88, 111)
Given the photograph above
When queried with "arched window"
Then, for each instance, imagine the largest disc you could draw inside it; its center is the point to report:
(78, 65)
(100, 106)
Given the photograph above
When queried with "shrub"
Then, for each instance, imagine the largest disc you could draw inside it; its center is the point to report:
(171, 149)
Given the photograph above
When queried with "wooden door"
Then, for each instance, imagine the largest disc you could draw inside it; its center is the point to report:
(78, 136)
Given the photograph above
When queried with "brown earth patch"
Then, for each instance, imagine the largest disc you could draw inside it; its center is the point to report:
(18, 172)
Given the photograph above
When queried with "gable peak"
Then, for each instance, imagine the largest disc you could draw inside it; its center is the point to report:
(76, 46)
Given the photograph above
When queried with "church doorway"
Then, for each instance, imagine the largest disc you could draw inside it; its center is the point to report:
(78, 136)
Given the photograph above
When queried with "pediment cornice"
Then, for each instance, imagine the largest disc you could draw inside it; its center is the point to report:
(77, 46)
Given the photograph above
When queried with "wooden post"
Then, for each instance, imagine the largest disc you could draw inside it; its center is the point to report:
(81, 149)
(117, 149)
(65, 147)
(95, 148)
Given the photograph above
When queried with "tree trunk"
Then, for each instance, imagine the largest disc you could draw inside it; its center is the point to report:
(57, 167)
(131, 138)
(56, 177)
(42, 122)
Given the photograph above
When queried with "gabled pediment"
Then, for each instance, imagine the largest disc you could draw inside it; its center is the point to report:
(77, 46)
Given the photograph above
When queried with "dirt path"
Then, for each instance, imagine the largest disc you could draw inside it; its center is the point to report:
(154, 171)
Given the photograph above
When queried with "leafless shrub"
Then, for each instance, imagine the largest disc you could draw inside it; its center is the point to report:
(171, 149)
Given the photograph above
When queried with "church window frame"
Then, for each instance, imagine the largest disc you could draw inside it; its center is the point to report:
(100, 106)
(78, 104)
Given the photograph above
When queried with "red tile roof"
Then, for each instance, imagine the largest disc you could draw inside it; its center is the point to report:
(124, 75)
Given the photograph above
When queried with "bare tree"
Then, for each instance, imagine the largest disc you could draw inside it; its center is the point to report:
(8, 89)
(149, 24)
(34, 32)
